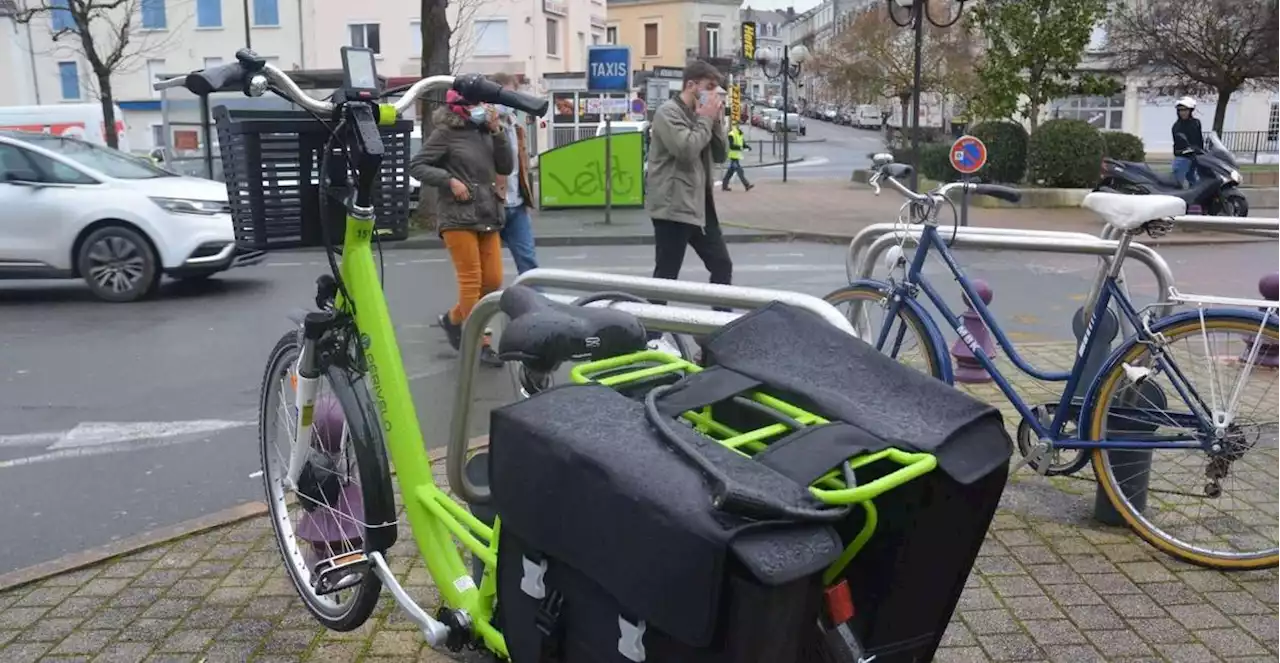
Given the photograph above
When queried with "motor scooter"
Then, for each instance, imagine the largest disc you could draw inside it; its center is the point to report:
(1215, 162)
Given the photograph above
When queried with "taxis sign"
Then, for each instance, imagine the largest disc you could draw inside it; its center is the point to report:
(749, 41)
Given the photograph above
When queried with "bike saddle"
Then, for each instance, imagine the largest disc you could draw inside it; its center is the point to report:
(544, 333)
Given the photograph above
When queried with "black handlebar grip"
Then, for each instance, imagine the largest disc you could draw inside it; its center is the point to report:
(477, 89)
(216, 79)
(1005, 193)
(898, 170)
(535, 106)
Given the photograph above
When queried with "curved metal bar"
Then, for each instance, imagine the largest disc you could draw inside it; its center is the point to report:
(677, 319)
(864, 238)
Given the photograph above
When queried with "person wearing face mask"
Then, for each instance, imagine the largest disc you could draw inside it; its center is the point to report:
(687, 136)
(517, 232)
(462, 158)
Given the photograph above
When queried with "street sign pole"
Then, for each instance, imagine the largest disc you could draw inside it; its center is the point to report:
(608, 71)
(608, 167)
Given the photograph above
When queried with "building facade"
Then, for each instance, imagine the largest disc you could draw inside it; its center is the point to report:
(756, 85)
(669, 33)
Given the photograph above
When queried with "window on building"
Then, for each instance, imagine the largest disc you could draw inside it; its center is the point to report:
(493, 38)
(582, 45)
(366, 35)
(155, 69)
(153, 15)
(1273, 122)
(1105, 113)
(611, 35)
(209, 13)
(709, 45)
(61, 16)
(553, 37)
(69, 78)
(158, 137)
(651, 39)
(415, 38)
(1097, 37)
(266, 13)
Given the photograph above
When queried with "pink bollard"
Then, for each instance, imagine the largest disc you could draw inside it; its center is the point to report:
(968, 369)
(1268, 353)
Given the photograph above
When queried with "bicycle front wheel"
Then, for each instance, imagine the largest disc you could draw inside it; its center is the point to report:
(1214, 504)
(322, 525)
(909, 340)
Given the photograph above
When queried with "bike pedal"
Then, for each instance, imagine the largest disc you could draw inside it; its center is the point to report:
(1036, 459)
(339, 572)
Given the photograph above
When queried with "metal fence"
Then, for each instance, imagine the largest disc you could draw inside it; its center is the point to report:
(1250, 144)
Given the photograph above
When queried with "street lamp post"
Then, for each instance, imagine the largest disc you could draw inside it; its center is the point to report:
(918, 14)
(788, 69)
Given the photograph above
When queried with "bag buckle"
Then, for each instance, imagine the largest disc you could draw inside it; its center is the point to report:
(547, 618)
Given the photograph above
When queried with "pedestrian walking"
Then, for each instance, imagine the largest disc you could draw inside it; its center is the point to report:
(688, 135)
(517, 232)
(736, 145)
(1187, 136)
(462, 158)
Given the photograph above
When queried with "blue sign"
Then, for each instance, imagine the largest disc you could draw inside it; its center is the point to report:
(609, 69)
(968, 155)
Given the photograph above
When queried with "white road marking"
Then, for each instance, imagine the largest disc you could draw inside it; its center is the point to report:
(93, 438)
(807, 163)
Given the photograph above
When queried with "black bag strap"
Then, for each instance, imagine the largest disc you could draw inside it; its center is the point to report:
(546, 619)
(806, 455)
(704, 388)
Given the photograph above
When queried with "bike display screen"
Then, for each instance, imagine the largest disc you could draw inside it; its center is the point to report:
(358, 70)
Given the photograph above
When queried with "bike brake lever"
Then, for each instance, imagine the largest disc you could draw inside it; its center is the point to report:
(875, 182)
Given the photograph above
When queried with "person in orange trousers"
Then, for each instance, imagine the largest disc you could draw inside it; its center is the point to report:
(462, 158)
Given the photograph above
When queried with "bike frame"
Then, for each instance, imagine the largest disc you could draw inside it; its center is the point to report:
(930, 239)
(435, 518)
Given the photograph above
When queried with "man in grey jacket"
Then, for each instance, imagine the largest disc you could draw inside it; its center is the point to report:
(687, 136)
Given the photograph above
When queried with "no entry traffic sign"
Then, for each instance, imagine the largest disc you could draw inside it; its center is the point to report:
(968, 155)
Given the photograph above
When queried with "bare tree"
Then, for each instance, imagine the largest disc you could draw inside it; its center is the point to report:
(436, 34)
(1203, 46)
(463, 35)
(106, 33)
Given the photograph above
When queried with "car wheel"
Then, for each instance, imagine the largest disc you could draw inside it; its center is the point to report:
(118, 264)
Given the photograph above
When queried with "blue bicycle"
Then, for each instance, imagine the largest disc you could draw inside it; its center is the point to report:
(1185, 467)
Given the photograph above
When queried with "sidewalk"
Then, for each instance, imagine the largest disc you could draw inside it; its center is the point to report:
(1049, 585)
(824, 210)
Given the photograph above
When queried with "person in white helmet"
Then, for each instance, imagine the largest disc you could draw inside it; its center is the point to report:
(1186, 135)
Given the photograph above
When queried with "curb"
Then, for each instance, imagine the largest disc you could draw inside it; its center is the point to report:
(631, 239)
(127, 546)
(1187, 238)
(779, 162)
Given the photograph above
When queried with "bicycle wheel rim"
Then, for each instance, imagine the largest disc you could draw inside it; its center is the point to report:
(906, 319)
(274, 426)
(1112, 483)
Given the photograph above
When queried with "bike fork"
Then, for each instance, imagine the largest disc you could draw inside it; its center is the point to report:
(307, 375)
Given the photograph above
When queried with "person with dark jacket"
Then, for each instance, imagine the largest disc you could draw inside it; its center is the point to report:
(1186, 136)
(517, 232)
(462, 158)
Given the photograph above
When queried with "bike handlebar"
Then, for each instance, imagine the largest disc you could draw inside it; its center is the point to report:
(262, 76)
(890, 172)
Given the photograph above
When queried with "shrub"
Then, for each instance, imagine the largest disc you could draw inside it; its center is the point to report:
(935, 162)
(1064, 153)
(1006, 151)
(1123, 146)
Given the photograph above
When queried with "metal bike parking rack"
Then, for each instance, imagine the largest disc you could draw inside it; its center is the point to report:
(674, 319)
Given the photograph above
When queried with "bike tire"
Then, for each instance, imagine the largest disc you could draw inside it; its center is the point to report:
(352, 396)
(1094, 418)
(876, 293)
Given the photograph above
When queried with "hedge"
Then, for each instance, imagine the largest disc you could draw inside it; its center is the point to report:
(1006, 151)
(935, 162)
(1065, 153)
(1123, 146)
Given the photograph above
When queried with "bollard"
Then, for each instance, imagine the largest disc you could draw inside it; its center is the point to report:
(1268, 353)
(968, 369)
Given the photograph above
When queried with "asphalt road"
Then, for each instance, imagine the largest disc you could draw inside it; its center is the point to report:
(115, 419)
(841, 151)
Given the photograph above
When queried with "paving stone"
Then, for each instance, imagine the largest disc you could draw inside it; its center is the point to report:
(137, 596)
(1198, 616)
(961, 655)
(20, 617)
(1054, 632)
(1135, 605)
(1186, 653)
(1237, 603)
(50, 630)
(1110, 583)
(230, 651)
(1054, 574)
(1036, 554)
(1115, 644)
(983, 622)
(170, 608)
(148, 630)
(1171, 593)
(1033, 607)
(1012, 586)
(24, 652)
(288, 642)
(246, 629)
(1229, 642)
(123, 652)
(395, 643)
(103, 587)
(1160, 630)
(957, 635)
(1010, 647)
(335, 652)
(1066, 595)
(1142, 572)
(44, 596)
(979, 598)
(84, 642)
(1073, 654)
(113, 618)
(1263, 627)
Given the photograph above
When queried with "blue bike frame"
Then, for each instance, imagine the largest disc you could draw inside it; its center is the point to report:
(931, 240)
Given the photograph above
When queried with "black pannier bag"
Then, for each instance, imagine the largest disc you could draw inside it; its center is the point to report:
(612, 551)
(907, 580)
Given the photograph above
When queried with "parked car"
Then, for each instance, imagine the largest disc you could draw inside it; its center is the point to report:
(869, 117)
(831, 113)
(768, 118)
(794, 122)
(77, 210)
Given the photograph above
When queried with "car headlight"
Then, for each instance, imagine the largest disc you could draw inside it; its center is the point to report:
(186, 206)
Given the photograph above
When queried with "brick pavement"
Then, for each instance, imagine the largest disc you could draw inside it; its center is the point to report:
(1049, 585)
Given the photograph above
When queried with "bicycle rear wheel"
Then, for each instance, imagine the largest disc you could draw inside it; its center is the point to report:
(321, 528)
(1214, 505)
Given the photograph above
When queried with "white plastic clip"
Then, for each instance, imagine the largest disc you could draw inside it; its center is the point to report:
(532, 581)
(630, 640)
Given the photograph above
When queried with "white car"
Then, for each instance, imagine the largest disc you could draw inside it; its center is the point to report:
(77, 210)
